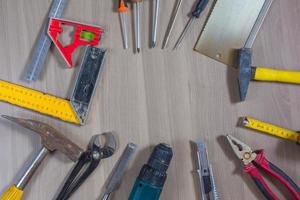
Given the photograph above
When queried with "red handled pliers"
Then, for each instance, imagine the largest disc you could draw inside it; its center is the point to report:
(254, 160)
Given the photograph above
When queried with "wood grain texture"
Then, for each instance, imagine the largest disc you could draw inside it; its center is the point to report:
(156, 96)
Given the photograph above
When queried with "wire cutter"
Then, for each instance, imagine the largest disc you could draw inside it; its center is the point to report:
(254, 160)
(88, 162)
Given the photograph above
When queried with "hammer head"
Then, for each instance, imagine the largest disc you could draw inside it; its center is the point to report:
(51, 138)
(245, 71)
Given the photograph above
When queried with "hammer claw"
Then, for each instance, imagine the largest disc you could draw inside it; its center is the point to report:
(52, 139)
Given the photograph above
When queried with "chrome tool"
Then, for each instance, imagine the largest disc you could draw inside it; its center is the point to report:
(115, 178)
(207, 183)
(201, 5)
(171, 23)
(155, 22)
(123, 10)
(137, 24)
(43, 44)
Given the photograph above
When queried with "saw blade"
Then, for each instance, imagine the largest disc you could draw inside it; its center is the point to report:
(220, 40)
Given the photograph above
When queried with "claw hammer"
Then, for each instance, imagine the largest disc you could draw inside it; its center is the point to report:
(248, 73)
(51, 140)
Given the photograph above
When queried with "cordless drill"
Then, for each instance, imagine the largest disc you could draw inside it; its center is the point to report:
(152, 177)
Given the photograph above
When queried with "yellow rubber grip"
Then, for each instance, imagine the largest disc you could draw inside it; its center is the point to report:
(13, 193)
(284, 76)
(271, 129)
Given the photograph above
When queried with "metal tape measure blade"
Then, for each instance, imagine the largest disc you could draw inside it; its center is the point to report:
(270, 129)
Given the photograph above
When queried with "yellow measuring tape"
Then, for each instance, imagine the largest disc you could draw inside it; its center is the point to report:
(38, 101)
(271, 129)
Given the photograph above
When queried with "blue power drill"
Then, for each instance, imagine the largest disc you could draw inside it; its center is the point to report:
(152, 177)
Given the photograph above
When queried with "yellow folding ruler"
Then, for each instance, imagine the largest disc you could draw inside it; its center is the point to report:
(270, 129)
(72, 110)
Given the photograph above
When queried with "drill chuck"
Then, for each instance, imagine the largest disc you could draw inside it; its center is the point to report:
(152, 177)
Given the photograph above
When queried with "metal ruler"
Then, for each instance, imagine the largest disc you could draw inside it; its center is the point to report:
(270, 129)
(206, 178)
(43, 44)
(259, 21)
(74, 110)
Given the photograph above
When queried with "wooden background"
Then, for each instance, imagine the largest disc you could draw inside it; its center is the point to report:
(155, 96)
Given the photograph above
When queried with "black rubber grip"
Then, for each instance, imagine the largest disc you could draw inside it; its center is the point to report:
(207, 184)
(201, 5)
(285, 176)
(263, 189)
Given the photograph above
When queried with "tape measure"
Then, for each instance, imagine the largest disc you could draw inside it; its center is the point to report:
(72, 110)
(271, 129)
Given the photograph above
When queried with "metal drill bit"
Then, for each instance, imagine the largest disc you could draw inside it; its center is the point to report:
(136, 10)
(123, 9)
(201, 5)
(155, 22)
(208, 188)
(171, 23)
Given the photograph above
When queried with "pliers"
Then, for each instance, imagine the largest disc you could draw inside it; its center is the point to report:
(254, 160)
(88, 162)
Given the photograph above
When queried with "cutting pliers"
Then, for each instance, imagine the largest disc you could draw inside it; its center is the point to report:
(100, 146)
(254, 160)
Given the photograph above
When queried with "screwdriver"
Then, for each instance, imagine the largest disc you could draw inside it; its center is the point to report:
(155, 22)
(123, 9)
(171, 23)
(136, 14)
(201, 5)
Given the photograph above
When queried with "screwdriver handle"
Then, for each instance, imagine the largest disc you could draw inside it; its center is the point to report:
(123, 7)
(13, 193)
(201, 5)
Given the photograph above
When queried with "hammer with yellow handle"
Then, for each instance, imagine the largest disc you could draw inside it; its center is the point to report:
(51, 140)
(248, 73)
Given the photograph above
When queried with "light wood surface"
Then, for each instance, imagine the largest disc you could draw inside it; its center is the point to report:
(155, 96)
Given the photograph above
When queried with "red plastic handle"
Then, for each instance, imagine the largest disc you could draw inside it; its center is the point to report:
(252, 170)
(262, 162)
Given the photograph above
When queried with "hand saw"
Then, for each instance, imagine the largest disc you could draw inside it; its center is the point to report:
(233, 24)
(270, 129)
(72, 110)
